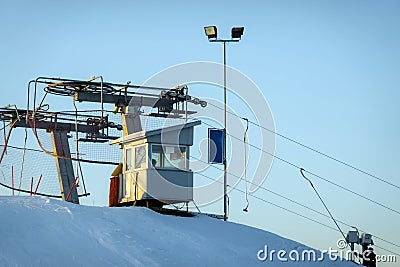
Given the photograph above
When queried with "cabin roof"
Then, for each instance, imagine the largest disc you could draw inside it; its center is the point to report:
(145, 134)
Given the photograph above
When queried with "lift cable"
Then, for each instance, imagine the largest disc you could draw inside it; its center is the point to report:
(6, 139)
(23, 160)
(298, 203)
(37, 193)
(21, 148)
(261, 187)
(291, 211)
(316, 151)
(320, 198)
(313, 174)
(4, 126)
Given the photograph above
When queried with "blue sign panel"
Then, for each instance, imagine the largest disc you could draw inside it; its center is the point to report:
(216, 143)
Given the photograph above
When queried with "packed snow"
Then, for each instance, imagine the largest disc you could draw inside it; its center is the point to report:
(38, 231)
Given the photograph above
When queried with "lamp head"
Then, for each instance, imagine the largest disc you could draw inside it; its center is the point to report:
(211, 32)
(237, 32)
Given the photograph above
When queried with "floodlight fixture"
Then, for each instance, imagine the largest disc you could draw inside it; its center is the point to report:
(237, 32)
(211, 32)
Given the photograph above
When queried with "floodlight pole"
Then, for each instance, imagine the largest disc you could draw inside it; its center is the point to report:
(225, 125)
(224, 157)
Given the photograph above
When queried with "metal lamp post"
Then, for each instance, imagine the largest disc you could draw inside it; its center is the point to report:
(236, 35)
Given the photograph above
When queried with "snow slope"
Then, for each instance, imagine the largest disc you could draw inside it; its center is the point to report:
(39, 231)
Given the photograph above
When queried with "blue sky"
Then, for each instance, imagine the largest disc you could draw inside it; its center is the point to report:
(328, 69)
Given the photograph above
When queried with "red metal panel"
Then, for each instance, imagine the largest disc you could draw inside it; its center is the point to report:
(113, 197)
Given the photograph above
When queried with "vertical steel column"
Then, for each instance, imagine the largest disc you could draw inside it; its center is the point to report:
(64, 166)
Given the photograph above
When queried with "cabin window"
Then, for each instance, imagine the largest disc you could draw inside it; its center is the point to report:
(128, 159)
(140, 157)
(168, 156)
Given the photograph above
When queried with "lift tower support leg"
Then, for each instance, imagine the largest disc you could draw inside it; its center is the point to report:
(64, 166)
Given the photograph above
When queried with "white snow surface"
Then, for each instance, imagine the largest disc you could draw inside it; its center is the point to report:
(39, 231)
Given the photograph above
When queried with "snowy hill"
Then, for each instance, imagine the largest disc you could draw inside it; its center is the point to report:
(46, 232)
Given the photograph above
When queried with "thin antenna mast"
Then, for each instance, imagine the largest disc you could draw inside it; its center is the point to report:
(245, 163)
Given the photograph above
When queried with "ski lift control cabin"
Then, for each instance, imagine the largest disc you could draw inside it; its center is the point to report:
(155, 166)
